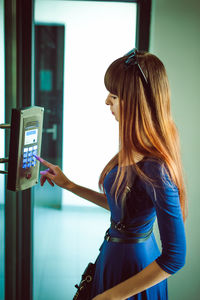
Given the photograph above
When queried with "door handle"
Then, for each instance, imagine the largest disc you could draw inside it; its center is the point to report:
(52, 130)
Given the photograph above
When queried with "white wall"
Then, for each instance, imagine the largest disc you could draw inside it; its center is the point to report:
(96, 34)
(175, 39)
(2, 82)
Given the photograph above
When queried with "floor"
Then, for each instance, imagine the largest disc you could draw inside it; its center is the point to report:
(64, 242)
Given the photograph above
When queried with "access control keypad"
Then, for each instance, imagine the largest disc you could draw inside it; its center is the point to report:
(29, 159)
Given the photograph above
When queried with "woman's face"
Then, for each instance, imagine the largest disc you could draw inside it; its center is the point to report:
(113, 101)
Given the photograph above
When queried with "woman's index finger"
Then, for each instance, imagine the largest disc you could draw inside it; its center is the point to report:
(44, 162)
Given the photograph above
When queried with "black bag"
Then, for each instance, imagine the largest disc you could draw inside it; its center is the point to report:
(84, 287)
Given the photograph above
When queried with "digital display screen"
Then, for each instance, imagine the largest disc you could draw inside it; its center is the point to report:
(31, 136)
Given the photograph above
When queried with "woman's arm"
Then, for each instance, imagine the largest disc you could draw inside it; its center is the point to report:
(90, 195)
(54, 175)
(143, 280)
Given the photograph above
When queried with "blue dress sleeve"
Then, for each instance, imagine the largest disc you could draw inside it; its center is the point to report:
(165, 197)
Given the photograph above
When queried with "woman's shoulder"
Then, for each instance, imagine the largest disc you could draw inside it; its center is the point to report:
(152, 166)
(157, 170)
(160, 180)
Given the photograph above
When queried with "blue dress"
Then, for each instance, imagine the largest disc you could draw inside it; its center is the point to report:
(119, 261)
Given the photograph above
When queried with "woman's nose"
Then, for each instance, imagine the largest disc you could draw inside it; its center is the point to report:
(107, 101)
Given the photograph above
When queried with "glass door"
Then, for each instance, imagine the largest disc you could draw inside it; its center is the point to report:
(75, 41)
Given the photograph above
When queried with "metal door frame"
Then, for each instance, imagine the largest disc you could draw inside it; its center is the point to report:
(18, 206)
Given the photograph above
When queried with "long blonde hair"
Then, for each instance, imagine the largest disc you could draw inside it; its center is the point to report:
(145, 122)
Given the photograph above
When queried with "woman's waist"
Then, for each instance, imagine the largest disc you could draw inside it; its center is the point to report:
(131, 233)
(127, 228)
(116, 236)
(134, 232)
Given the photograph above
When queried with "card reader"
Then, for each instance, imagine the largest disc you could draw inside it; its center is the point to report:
(25, 142)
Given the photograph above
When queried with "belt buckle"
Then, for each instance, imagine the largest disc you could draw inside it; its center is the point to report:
(119, 226)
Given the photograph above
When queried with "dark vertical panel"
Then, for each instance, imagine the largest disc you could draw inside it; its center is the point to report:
(10, 202)
(49, 62)
(18, 206)
(143, 24)
(49, 70)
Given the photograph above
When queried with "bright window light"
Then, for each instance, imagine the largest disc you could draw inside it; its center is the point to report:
(96, 33)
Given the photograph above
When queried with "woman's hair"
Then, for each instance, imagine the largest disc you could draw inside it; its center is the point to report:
(145, 122)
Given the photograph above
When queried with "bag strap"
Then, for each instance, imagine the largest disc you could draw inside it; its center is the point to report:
(129, 187)
(121, 225)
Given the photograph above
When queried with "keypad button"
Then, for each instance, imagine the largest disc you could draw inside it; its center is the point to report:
(28, 157)
(25, 154)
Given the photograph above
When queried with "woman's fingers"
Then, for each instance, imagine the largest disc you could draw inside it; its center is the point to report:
(50, 182)
(47, 173)
(44, 162)
(53, 174)
(44, 178)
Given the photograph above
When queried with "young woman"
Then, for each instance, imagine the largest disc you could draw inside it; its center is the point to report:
(142, 181)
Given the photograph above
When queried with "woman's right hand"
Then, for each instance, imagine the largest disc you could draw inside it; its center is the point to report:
(54, 175)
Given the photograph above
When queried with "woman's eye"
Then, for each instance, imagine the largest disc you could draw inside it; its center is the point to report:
(114, 97)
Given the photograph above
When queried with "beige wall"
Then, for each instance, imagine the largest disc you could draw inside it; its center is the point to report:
(175, 38)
